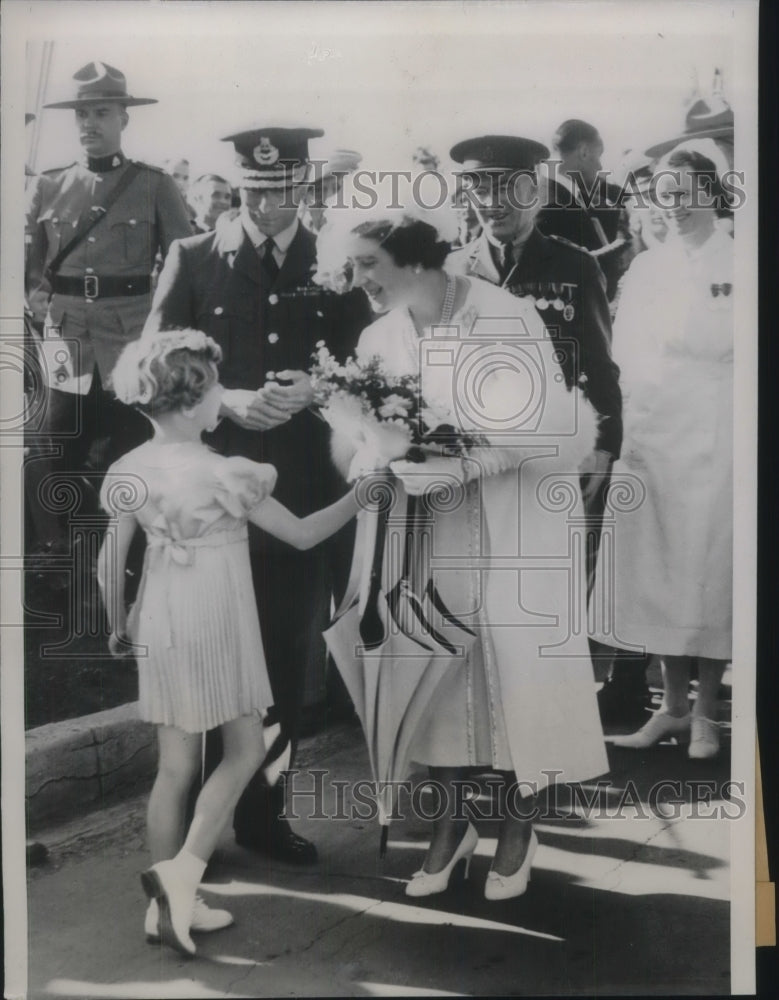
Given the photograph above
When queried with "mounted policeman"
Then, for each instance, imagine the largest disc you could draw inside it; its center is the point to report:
(93, 232)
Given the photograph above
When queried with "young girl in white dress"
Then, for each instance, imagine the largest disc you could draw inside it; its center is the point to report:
(194, 626)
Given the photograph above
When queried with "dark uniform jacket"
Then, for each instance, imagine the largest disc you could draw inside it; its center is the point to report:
(587, 226)
(144, 220)
(217, 283)
(569, 292)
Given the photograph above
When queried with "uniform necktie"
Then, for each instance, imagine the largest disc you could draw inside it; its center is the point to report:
(508, 261)
(268, 260)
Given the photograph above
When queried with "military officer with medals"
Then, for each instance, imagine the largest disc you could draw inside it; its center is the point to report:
(563, 281)
(249, 285)
(93, 230)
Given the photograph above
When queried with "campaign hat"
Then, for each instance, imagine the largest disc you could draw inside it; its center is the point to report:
(98, 82)
(712, 119)
(273, 156)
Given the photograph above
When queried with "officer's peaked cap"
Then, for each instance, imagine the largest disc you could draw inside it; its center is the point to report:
(498, 152)
(273, 157)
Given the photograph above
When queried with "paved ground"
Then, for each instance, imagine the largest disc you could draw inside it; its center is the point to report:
(615, 907)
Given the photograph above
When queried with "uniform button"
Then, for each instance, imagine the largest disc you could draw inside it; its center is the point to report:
(273, 338)
(90, 270)
(218, 311)
(319, 313)
(273, 299)
(132, 222)
(55, 219)
(90, 239)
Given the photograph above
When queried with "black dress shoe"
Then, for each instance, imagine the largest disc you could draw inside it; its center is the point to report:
(279, 842)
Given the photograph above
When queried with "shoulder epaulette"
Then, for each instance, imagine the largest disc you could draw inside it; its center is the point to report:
(147, 166)
(57, 170)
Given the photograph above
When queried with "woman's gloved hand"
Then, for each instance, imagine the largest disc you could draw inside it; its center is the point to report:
(430, 476)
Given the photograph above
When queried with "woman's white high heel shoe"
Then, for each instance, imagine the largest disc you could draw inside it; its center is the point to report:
(424, 884)
(704, 739)
(509, 886)
(660, 726)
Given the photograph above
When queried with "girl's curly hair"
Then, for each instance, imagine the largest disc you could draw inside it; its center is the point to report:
(165, 371)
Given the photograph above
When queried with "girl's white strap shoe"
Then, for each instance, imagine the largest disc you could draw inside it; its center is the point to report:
(509, 886)
(174, 885)
(205, 919)
(424, 884)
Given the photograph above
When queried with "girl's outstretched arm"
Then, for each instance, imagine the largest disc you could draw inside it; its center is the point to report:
(304, 532)
(110, 571)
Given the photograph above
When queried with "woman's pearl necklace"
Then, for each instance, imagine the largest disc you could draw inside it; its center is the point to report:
(447, 311)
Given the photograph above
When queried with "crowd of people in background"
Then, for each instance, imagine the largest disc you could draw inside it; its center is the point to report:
(121, 255)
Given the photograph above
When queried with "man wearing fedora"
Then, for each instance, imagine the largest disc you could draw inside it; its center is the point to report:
(563, 280)
(249, 285)
(93, 230)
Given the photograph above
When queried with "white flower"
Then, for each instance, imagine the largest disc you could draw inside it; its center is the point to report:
(433, 416)
(395, 406)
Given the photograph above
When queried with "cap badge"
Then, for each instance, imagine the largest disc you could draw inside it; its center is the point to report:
(266, 153)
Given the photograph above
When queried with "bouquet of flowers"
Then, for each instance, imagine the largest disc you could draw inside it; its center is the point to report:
(384, 416)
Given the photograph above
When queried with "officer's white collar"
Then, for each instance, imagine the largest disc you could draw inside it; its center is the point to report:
(282, 239)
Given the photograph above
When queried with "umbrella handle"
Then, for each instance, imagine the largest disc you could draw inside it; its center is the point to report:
(371, 625)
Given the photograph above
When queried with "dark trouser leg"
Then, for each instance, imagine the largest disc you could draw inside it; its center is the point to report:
(71, 442)
(624, 694)
(117, 429)
(290, 598)
(594, 526)
(58, 441)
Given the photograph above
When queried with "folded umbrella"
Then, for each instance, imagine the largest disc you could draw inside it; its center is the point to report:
(392, 647)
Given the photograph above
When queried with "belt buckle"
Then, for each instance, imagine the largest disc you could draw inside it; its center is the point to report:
(91, 286)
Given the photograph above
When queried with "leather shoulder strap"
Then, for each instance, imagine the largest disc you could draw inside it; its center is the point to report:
(97, 213)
